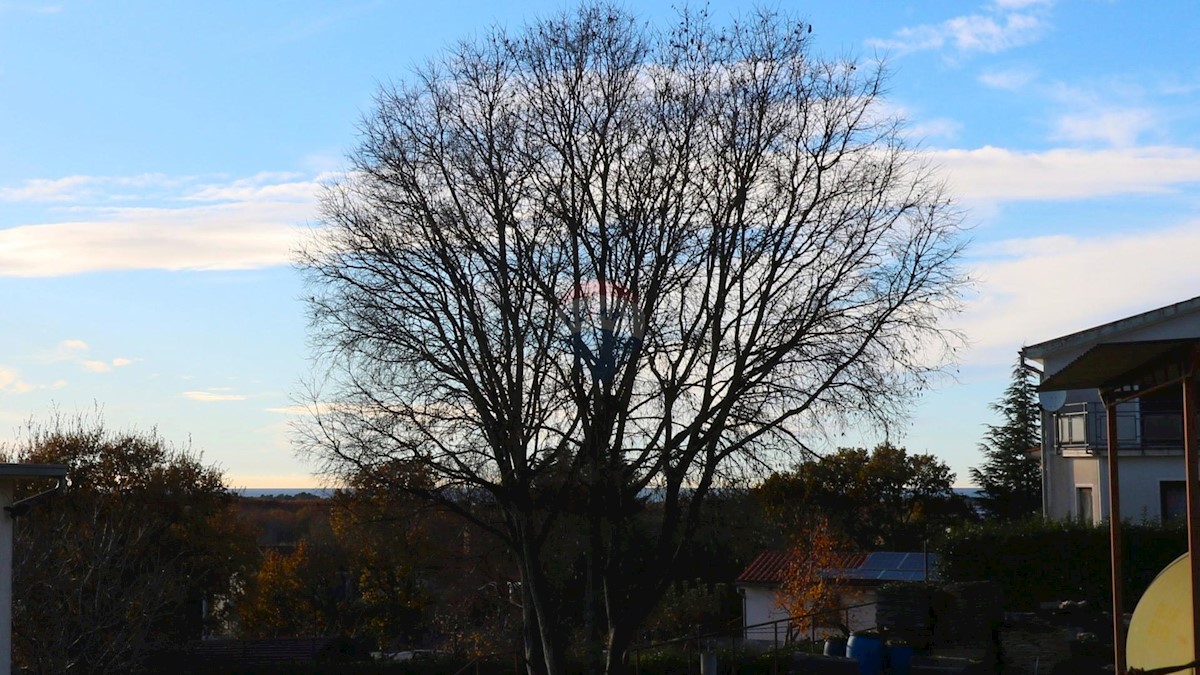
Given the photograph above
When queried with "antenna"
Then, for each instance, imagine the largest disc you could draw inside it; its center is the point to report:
(1051, 401)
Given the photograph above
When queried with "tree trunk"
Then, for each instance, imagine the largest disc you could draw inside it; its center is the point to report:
(620, 638)
(546, 628)
(535, 658)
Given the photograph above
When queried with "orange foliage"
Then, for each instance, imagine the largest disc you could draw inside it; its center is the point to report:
(810, 584)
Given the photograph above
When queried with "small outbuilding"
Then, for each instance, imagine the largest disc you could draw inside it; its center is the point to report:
(857, 575)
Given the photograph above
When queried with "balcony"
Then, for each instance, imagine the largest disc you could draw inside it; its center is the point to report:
(1081, 429)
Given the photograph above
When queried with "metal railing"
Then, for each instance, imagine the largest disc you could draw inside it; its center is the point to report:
(714, 640)
(1083, 426)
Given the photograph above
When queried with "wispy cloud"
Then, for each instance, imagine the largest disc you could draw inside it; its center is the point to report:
(95, 189)
(11, 382)
(1004, 25)
(211, 396)
(291, 410)
(1021, 4)
(29, 8)
(96, 366)
(1118, 128)
(1015, 307)
(1008, 79)
(992, 174)
(76, 351)
(938, 127)
(66, 350)
(238, 224)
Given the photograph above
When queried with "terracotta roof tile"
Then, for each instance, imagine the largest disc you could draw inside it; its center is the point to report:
(769, 566)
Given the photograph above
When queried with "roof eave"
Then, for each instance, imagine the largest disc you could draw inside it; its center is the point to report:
(1096, 334)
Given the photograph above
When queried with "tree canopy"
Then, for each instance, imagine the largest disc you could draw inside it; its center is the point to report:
(590, 259)
(885, 499)
(124, 562)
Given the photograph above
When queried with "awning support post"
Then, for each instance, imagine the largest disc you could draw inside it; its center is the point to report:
(1114, 533)
(1193, 500)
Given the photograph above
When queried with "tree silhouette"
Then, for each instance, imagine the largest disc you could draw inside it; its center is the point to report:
(591, 261)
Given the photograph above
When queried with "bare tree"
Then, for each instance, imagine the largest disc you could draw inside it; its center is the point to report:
(591, 261)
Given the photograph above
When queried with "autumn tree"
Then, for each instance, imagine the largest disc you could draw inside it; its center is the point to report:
(1010, 479)
(354, 573)
(809, 589)
(586, 260)
(388, 538)
(123, 563)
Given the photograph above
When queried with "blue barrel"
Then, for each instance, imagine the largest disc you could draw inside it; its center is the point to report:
(899, 658)
(867, 648)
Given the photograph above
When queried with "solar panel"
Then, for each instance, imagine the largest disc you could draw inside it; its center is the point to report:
(884, 560)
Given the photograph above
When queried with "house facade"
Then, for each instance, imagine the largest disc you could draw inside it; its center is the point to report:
(1149, 428)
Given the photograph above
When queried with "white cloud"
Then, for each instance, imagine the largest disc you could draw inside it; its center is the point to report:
(1115, 127)
(223, 237)
(67, 350)
(998, 174)
(172, 224)
(75, 351)
(1010, 79)
(291, 410)
(11, 382)
(1040, 288)
(209, 396)
(95, 366)
(969, 33)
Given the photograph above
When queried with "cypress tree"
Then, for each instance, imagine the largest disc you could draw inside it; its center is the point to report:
(1010, 478)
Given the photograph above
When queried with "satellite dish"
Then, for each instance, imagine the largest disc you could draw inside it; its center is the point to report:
(1052, 400)
(1160, 633)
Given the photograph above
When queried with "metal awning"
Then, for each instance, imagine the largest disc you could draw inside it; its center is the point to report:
(1115, 365)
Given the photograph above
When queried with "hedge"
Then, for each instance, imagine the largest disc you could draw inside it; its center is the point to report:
(1038, 560)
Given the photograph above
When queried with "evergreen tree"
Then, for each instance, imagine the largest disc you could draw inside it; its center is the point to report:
(1010, 477)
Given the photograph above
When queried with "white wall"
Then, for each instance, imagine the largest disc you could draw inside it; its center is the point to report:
(760, 607)
(1140, 478)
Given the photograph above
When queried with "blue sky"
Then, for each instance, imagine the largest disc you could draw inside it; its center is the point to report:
(158, 162)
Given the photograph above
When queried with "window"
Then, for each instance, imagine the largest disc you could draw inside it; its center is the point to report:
(1083, 505)
(1072, 428)
(1172, 496)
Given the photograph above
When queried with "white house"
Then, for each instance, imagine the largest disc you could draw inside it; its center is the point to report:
(1149, 428)
(858, 575)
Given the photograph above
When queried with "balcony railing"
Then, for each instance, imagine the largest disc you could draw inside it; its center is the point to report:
(1083, 427)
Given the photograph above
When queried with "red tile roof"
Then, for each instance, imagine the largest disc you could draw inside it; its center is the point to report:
(769, 566)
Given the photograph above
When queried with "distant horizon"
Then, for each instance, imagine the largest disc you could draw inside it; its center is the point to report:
(325, 492)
